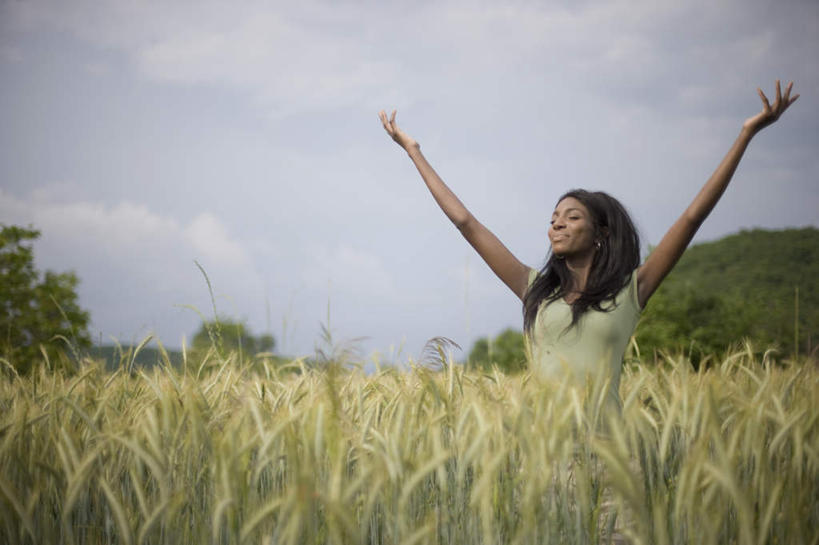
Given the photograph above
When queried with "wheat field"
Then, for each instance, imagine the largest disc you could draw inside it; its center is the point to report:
(230, 452)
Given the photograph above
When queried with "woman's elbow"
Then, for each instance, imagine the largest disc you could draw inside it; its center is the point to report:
(463, 222)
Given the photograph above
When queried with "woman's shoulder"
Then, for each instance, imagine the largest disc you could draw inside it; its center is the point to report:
(630, 292)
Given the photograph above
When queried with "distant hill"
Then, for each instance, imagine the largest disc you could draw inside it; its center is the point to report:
(743, 285)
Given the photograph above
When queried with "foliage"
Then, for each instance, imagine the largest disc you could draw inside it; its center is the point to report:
(742, 286)
(38, 313)
(228, 335)
(506, 351)
(724, 455)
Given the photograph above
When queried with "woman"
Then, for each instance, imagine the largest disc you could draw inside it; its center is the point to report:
(581, 309)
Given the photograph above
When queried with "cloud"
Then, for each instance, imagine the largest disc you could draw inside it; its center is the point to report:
(135, 265)
(209, 238)
(288, 59)
(316, 56)
(126, 227)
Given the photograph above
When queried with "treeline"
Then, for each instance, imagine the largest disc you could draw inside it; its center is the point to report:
(42, 322)
(759, 284)
(222, 336)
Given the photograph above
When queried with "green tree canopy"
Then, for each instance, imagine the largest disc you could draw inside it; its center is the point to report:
(742, 286)
(229, 335)
(35, 310)
(507, 351)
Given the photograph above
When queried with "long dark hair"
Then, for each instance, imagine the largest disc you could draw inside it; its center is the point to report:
(616, 258)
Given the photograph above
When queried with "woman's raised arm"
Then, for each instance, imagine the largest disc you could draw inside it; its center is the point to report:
(503, 263)
(660, 262)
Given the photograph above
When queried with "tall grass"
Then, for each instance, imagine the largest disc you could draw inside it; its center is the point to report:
(225, 453)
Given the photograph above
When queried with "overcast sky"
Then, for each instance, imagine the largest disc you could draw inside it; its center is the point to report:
(140, 137)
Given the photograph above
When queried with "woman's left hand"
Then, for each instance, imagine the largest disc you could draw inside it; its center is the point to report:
(770, 113)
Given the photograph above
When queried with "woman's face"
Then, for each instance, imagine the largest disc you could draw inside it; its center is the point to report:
(572, 229)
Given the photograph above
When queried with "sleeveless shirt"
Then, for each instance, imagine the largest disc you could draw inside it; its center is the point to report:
(592, 348)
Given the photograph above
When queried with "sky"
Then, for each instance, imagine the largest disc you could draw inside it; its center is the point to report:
(144, 138)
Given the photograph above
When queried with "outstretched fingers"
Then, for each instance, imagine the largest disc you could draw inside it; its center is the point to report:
(389, 123)
(781, 102)
(788, 98)
(384, 121)
(393, 124)
(765, 103)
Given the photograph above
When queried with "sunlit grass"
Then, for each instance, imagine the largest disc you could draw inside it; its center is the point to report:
(226, 453)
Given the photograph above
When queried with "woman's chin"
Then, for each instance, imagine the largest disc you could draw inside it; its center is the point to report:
(571, 253)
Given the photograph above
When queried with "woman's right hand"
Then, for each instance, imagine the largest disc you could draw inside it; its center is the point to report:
(401, 138)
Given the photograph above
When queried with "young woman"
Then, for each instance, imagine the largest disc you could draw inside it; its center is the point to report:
(580, 310)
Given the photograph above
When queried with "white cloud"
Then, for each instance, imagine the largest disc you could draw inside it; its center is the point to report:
(287, 58)
(125, 228)
(134, 264)
(315, 56)
(209, 238)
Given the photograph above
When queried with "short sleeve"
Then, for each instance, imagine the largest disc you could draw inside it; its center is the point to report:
(634, 295)
(532, 276)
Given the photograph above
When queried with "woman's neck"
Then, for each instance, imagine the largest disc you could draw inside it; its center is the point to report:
(579, 267)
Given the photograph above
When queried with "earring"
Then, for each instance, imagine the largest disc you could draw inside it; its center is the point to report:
(598, 244)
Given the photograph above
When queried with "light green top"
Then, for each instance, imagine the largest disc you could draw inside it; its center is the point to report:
(593, 347)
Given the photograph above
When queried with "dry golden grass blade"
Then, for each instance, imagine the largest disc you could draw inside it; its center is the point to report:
(24, 517)
(159, 472)
(263, 513)
(139, 489)
(151, 520)
(724, 477)
(78, 480)
(218, 518)
(10, 368)
(769, 513)
(421, 535)
(140, 346)
(120, 518)
(421, 473)
(68, 452)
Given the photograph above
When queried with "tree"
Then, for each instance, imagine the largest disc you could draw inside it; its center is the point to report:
(758, 285)
(231, 336)
(38, 313)
(684, 319)
(507, 351)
